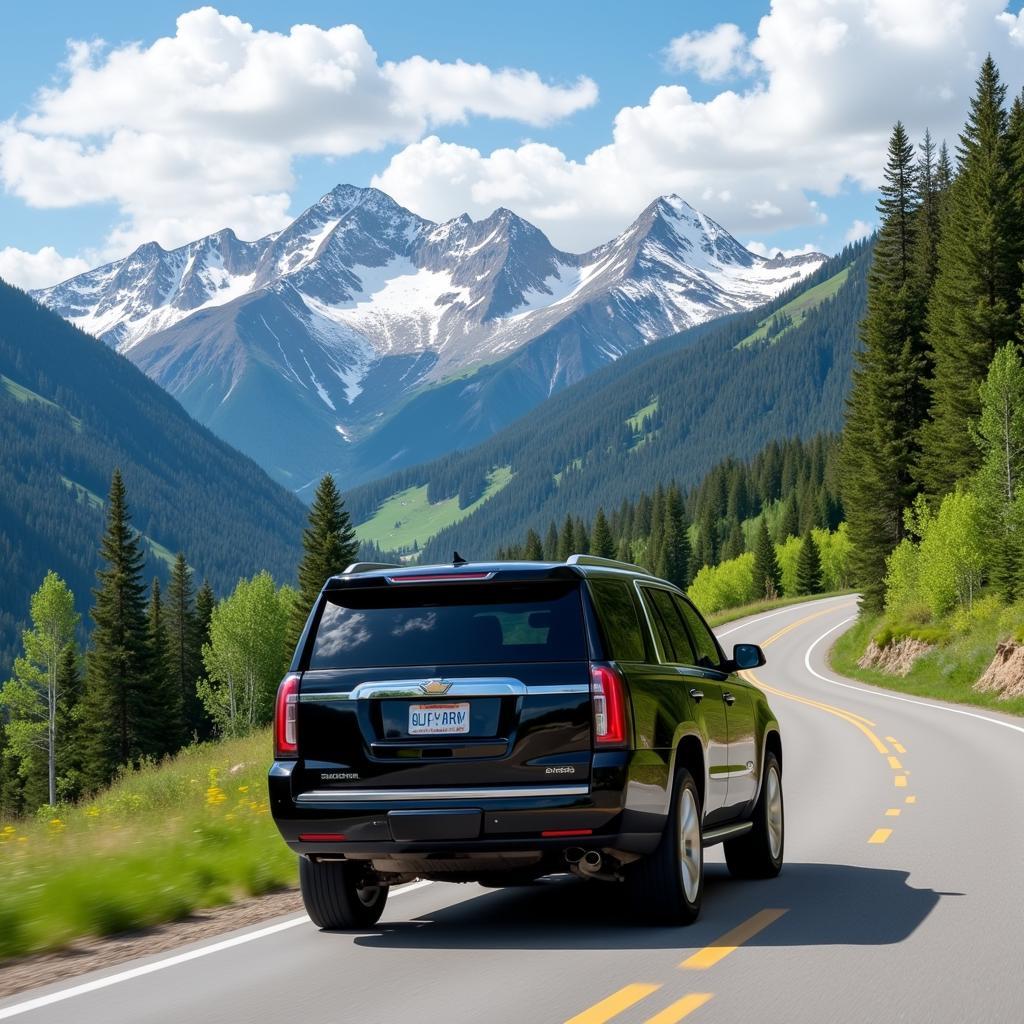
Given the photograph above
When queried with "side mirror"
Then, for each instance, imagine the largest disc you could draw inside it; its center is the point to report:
(746, 656)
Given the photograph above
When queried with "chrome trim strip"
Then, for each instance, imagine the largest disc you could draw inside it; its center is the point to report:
(339, 796)
(716, 835)
(459, 688)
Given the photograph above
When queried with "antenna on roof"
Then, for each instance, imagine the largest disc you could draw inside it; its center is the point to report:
(457, 559)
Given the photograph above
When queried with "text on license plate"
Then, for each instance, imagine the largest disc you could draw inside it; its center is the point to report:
(438, 719)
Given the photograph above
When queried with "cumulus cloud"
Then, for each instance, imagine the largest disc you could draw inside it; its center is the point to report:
(831, 77)
(1014, 25)
(712, 55)
(199, 130)
(38, 269)
(858, 229)
(769, 251)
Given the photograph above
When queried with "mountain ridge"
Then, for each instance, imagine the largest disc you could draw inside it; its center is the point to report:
(359, 306)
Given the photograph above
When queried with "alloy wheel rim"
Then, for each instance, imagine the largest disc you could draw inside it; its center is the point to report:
(774, 812)
(367, 894)
(690, 853)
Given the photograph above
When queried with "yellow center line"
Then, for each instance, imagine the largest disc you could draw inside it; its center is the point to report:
(894, 764)
(911, 800)
(732, 940)
(893, 812)
(614, 1004)
(900, 781)
(880, 835)
(898, 747)
(807, 618)
(854, 720)
(680, 1008)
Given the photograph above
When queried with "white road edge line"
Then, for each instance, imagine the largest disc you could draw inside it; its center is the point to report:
(893, 696)
(171, 961)
(799, 605)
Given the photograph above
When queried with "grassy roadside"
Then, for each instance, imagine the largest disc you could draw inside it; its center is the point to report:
(162, 842)
(755, 608)
(947, 673)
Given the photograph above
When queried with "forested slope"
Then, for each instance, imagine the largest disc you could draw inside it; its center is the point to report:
(667, 413)
(71, 410)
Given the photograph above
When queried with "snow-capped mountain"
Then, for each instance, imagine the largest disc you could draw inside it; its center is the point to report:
(359, 303)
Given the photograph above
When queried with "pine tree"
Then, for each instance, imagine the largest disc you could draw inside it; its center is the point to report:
(117, 666)
(674, 555)
(566, 540)
(184, 649)
(974, 305)
(329, 546)
(11, 780)
(928, 200)
(533, 551)
(601, 542)
(551, 542)
(733, 546)
(69, 755)
(767, 575)
(164, 709)
(789, 523)
(582, 537)
(888, 400)
(205, 603)
(808, 566)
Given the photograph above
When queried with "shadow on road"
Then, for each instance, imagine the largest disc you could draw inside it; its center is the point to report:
(828, 904)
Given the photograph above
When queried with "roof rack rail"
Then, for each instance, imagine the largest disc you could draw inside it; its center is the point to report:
(369, 567)
(608, 563)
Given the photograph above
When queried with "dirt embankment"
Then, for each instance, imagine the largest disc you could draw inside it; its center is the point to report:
(1005, 673)
(896, 658)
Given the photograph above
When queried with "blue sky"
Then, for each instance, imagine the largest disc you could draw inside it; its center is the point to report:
(728, 121)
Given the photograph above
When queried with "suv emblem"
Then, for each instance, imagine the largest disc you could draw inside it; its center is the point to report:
(435, 687)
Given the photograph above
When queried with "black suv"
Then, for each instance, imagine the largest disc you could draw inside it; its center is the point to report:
(502, 721)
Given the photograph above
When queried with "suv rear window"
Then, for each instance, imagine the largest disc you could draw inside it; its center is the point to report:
(619, 624)
(450, 624)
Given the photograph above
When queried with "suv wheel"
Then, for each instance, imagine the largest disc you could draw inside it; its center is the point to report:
(759, 853)
(667, 886)
(339, 895)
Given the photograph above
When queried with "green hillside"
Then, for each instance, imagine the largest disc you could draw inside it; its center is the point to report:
(71, 410)
(702, 397)
(792, 313)
(409, 518)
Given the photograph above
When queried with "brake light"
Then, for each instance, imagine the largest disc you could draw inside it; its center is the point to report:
(286, 718)
(564, 833)
(441, 577)
(321, 837)
(608, 697)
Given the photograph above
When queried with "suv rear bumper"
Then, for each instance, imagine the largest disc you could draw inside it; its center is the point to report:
(462, 820)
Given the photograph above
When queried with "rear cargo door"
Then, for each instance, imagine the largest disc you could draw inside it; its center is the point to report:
(455, 684)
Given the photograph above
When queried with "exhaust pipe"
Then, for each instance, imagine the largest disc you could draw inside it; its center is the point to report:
(591, 862)
(574, 855)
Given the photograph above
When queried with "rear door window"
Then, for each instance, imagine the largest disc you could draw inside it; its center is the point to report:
(675, 639)
(449, 624)
(620, 626)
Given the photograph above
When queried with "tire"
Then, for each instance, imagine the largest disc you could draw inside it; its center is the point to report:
(759, 853)
(667, 886)
(337, 896)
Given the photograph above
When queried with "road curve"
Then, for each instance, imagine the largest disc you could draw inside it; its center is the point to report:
(901, 900)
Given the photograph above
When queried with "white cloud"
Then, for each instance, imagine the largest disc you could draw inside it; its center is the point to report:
(1014, 25)
(773, 250)
(198, 130)
(38, 269)
(832, 78)
(858, 229)
(712, 55)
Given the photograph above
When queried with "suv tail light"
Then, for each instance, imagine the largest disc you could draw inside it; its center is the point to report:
(608, 697)
(286, 718)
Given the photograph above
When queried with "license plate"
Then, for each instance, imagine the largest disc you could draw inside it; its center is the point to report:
(438, 719)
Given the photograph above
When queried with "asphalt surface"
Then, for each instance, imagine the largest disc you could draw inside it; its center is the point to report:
(902, 899)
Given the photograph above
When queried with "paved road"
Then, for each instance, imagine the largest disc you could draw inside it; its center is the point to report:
(902, 899)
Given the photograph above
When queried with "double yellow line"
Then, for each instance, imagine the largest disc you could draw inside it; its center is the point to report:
(858, 721)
